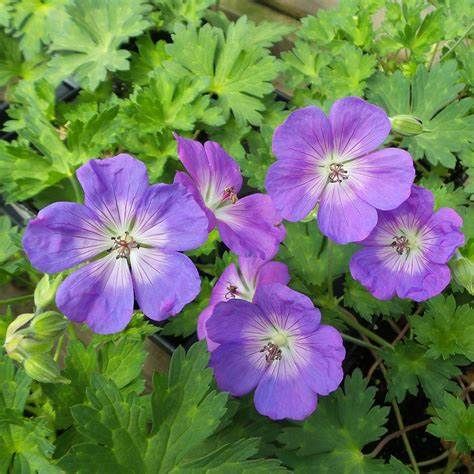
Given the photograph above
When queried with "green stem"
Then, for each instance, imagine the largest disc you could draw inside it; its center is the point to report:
(351, 321)
(75, 187)
(57, 352)
(329, 252)
(435, 460)
(452, 463)
(16, 299)
(354, 340)
(409, 451)
(435, 51)
(450, 50)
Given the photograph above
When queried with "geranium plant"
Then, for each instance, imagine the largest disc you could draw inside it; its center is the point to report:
(300, 221)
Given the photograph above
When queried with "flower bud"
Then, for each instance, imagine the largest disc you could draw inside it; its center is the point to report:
(406, 125)
(48, 324)
(463, 272)
(43, 368)
(46, 290)
(20, 323)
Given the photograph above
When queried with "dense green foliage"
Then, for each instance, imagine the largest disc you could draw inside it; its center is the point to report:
(147, 69)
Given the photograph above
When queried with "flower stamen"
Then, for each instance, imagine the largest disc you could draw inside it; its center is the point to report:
(337, 173)
(274, 352)
(232, 291)
(123, 245)
(400, 244)
(229, 193)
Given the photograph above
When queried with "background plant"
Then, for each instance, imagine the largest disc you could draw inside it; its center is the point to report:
(147, 69)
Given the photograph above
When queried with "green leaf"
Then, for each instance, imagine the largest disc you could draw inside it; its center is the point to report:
(22, 440)
(185, 411)
(240, 71)
(35, 21)
(454, 422)
(119, 359)
(409, 366)
(175, 12)
(150, 56)
(432, 98)
(358, 298)
(446, 329)
(331, 440)
(444, 193)
(172, 103)
(410, 27)
(305, 252)
(12, 63)
(88, 43)
(184, 324)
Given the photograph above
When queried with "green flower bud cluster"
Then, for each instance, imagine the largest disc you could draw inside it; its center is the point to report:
(30, 339)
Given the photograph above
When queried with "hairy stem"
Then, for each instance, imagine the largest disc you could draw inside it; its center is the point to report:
(450, 50)
(359, 342)
(75, 187)
(57, 352)
(435, 460)
(329, 252)
(395, 435)
(16, 299)
(351, 321)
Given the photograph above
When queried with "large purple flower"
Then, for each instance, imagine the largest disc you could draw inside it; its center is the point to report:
(249, 226)
(407, 252)
(331, 161)
(131, 233)
(241, 283)
(278, 346)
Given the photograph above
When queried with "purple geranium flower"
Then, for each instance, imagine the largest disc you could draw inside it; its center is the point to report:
(241, 283)
(407, 252)
(249, 226)
(331, 161)
(278, 346)
(132, 232)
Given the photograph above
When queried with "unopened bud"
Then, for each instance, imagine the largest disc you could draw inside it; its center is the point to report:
(43, 368)
(463, 272)
(48, 324)
(20, 323)
(406, 125)
(46, 290)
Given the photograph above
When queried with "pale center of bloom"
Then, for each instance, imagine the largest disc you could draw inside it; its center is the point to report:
(122, 245)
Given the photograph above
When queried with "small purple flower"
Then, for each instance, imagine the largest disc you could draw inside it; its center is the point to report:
(407, 252)
(249, 226)
(331, 161)
(131, 234)
(277, 346)
(241, 283)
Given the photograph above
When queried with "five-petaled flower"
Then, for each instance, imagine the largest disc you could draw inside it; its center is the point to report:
(130, 233)
(331, 161)
(277, 346)
(407, 252)
(241, 283)
(249, 226)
